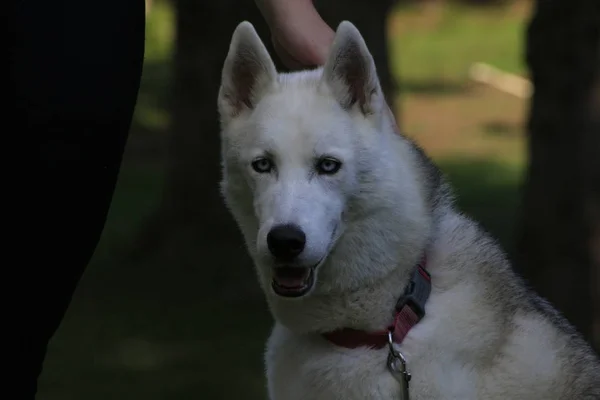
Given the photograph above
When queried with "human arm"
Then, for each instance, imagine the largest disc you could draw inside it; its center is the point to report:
(300, 36)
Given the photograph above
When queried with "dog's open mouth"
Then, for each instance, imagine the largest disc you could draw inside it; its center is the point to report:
(295, 281)
(292, 281)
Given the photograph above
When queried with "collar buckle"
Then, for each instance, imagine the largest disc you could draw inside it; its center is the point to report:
(416, 292)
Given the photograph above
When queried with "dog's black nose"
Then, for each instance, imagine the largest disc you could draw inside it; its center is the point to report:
(286, 242)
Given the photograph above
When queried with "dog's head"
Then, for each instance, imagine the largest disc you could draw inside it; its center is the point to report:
(308, 158)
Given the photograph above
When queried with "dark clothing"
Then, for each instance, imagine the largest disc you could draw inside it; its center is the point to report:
(75, 68)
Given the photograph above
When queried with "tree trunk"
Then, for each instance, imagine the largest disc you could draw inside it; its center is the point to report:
(560, 222)
(593, 204)
(192, 225)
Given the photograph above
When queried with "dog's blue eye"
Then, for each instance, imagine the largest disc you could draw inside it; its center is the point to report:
(262, 165)
(328, 166)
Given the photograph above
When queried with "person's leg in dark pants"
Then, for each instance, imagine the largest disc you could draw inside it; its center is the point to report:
(75, 67)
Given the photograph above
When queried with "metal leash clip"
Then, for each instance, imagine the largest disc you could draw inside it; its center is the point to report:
(397, 366)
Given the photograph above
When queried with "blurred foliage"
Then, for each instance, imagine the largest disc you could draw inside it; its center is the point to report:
(440, 41)
(151, 112)
(159, 31)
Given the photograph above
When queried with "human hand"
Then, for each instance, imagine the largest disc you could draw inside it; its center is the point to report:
(300, 36)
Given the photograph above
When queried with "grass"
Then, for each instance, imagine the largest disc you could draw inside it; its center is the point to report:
(439, 42)
(154, 333)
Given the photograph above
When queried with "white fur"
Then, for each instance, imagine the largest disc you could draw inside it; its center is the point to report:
(482, 337)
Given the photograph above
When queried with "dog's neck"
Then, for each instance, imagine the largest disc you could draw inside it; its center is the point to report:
(367, 306)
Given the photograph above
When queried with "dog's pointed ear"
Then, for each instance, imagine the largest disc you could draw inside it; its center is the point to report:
(247, 72)
(350, 71)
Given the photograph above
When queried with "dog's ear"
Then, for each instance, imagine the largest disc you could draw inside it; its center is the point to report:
(247, 72)
(350, 71)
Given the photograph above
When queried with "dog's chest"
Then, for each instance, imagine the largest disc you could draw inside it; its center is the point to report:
(300, 368)
(311, 368)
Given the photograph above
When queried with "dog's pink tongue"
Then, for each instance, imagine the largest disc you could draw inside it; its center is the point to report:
(291, 277)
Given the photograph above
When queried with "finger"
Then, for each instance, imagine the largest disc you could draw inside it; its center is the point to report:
(286, 58)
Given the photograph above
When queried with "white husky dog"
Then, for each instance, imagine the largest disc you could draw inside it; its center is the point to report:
(380, 289)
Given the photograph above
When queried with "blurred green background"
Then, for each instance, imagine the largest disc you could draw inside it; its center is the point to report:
(154, 329)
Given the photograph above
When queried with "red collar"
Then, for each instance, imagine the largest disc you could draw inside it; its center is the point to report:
(410, 309)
